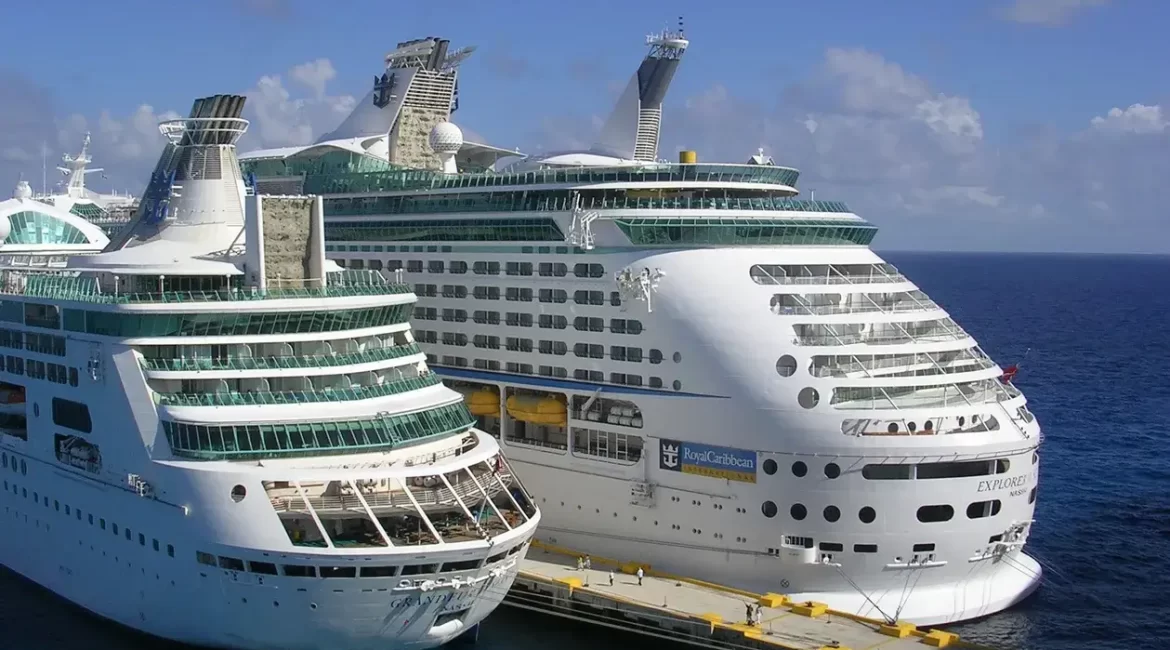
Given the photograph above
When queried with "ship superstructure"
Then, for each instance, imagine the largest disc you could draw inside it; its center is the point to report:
(241, 445)
(107, 211)
(695, 368)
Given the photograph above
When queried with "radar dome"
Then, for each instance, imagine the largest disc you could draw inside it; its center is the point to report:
(446, 138)
(23, 191)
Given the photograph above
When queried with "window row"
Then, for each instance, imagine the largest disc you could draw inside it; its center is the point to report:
(33, 342)
(377, 571)
(100, 522)
(867, 515)
(580, 374)
(459, 267)
(544, 346)
(36, 369)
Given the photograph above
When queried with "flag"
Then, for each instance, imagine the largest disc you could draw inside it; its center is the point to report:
(1009, 373)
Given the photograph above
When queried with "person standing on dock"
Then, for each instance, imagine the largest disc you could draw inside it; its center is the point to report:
(588, 563)
(580, 563)
(640, 574)
(611, 577)
(750, 616)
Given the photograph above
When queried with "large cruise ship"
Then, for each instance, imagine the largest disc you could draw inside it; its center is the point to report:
(689, 365)
(241, 444)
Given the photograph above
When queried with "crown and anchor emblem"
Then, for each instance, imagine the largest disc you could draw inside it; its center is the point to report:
(669, 455)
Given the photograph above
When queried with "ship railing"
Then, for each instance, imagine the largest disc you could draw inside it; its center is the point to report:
(861, 338)
(435, 496)
(68, 285)
(777, 274)
(915, 397)
(800, 306)
(455, 203)
(287, 362)
(957, 365)
(324, 394)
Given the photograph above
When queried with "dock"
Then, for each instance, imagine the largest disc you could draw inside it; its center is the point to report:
(698, 613)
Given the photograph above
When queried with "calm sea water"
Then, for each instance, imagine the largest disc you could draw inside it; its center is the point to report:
(1093, 334)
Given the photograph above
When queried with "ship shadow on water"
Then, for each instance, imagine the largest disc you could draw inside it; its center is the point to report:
(34, 618)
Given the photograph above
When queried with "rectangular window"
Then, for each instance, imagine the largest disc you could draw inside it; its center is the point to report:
(379, 571)
(200, 556)
(338, 571)
(267, 568)
(300, 570)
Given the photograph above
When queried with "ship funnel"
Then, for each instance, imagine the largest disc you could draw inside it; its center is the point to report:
(631, 132)
(195, 193)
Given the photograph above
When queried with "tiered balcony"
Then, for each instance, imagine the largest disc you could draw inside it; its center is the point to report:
(824, 304)
(813, 274)
(914, 332)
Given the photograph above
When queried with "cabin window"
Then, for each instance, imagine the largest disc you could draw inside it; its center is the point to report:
(72, 415)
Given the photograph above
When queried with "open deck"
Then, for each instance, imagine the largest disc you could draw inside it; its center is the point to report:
(698, 613)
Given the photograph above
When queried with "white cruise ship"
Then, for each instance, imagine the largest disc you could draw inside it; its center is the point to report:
(107, 211)
(241, 445)
(689, 365)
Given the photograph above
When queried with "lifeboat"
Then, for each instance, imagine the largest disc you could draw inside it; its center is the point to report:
(548, 411)
(484, 402)
(12, 395)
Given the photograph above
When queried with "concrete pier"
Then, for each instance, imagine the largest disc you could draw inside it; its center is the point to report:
(698, 613)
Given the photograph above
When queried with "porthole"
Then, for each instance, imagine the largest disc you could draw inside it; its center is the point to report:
(677, 357)
(866, 515)
(36, 410)
(808, 397)
(677, 384)
(786, 366)
(798, 511)
(832, 470)
(23, 468)
(912, 427)
(831, 513)
(962, 420)
(1032, 496)
(769, 509)
(238, 493)
(799, 468)
(769, 467)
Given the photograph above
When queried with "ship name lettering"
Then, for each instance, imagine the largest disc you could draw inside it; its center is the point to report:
(1002, 483)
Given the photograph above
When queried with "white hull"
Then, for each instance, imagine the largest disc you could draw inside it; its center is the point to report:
(178, 599)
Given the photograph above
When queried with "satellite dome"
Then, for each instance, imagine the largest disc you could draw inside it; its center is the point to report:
(23, 191)
(446, 138)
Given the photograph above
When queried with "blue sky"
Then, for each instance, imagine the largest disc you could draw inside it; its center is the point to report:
(959, 124)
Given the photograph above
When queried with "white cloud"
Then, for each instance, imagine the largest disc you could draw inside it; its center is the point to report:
(1138, 118)
(279, 118)
(314, 75)
(1047, 13)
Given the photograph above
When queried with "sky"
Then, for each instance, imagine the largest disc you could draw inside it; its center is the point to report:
(990, 125)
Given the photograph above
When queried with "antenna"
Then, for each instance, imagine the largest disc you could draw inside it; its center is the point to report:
(44, 177)
(681, 31)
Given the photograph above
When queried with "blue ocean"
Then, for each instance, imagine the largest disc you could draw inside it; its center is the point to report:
(1092, 337)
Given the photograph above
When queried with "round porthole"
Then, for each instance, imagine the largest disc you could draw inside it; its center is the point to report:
(832, 513)
(798, 511)
(786, 365)
(677, 384)
(769, 509)
(866, 515)
(769, 467)
(799, 468)
(677, 357)
(238, 493)
(808, 397)
(832, 470)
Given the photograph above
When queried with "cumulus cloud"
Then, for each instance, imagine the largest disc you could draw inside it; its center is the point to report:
(916, 159)
(1046, 13)
(281, 118)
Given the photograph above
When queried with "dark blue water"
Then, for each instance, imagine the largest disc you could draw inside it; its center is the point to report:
(1098, 377)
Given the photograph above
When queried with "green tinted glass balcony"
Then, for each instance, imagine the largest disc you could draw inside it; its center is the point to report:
(195, 364)
(234, 398)
(344, 182)
(446, 230)
(285, 440)
(746, 232)
(560, 202)
(81, 288)
(135, 324)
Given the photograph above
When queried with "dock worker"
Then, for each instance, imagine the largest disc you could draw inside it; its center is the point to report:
(588, 563)
(640, 574)
(611, 577)
(580, 563)
(749, 617)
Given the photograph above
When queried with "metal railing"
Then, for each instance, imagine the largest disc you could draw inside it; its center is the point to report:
(237, 398)
(193, 364)
(393, 498)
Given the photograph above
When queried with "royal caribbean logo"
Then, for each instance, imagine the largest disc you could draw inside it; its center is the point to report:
(707, 460)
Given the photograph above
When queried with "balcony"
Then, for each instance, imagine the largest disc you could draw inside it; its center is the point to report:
(918, 332)
(851, 366)
(824, 304)
(289, 362)
(783, 274)
(249, 398)
(86, 288)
